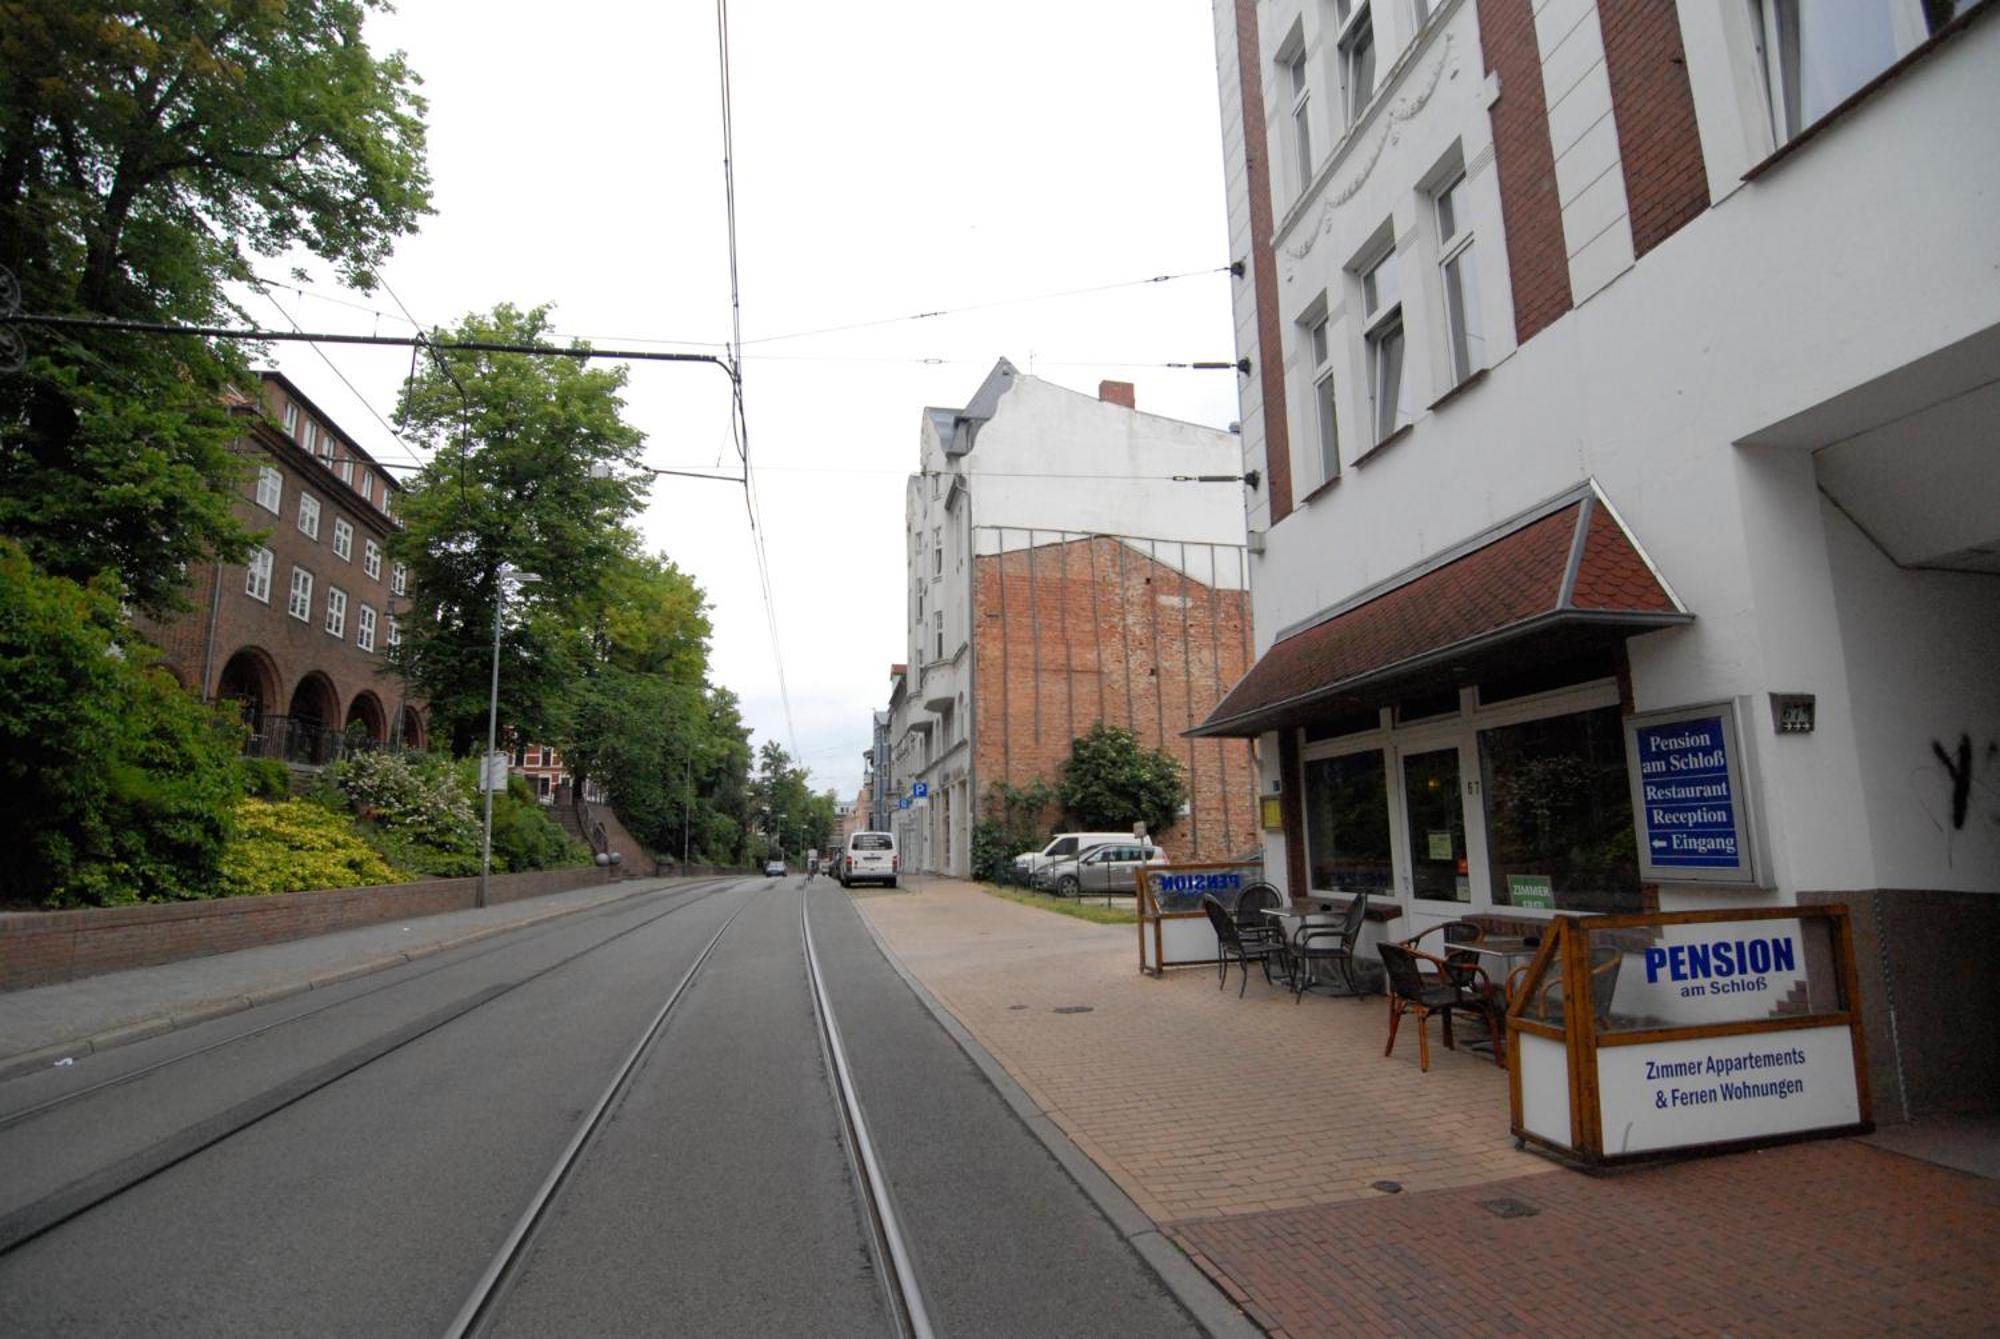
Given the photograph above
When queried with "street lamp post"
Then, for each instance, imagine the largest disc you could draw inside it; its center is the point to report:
(486, 779)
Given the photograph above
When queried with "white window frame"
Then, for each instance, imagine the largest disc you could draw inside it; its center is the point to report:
(1325, 409)
(366, 486)
(257, 575)
(937, 634)
(291, 419)
(364, 627)
(308, 515)
(371, 560)
(400, 579)
(1775, 20)
(388, 499)
(299, 603)
(343, 539)
(1382, 323)
(270, 489)
(346, 470)
(395, 632)
(1297, 85)
(1356, 34)
(336, 612)
(1458, 281)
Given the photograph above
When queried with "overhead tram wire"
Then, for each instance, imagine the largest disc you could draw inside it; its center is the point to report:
(417, 462)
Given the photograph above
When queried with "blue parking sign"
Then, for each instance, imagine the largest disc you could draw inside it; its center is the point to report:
(919, 789)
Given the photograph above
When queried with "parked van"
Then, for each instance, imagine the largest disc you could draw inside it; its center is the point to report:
(870, 857)
(1063, 846)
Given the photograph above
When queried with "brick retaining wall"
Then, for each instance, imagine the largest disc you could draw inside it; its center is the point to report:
(42, 948)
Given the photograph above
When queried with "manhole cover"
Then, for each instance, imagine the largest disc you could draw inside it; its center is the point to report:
(1073, 1009)
(1509, 1208)
(1387, 1187)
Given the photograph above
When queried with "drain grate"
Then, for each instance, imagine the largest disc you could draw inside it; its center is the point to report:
(1387, 1187)
(1509, 1208)
(1074, 1009)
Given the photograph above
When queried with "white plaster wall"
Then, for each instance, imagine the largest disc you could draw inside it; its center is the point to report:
(1868, 248)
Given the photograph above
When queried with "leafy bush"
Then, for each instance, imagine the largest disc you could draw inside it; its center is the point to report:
(525, 837)
(1111, 780)
(418, 808)
(295, 845)
(119, 784)
(266, 778)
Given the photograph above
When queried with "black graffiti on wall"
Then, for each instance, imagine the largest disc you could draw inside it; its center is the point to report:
(1958, 767)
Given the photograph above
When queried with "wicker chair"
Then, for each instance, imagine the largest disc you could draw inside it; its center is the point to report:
(1232, 946)
(1453, 932)
(1413, 991)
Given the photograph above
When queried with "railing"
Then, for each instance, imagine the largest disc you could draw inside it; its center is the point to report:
(307, 742)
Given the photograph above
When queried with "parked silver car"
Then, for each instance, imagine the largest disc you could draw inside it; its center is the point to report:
(1101, 870)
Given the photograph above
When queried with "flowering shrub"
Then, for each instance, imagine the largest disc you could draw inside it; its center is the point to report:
(419, 807)
(294, 845)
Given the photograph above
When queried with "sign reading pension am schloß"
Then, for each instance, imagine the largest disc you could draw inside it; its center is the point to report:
(1689, 801)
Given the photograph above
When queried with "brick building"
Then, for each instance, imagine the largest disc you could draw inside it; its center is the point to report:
(1615, 360)
(1059, 575)
(297, 635)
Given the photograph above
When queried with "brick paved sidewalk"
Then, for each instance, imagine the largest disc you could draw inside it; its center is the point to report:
(1254, 1130)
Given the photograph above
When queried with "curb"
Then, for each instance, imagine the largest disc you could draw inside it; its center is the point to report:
(1197, 1293)
(203, 1011)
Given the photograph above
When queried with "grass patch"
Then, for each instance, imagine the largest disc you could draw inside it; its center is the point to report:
(1063, 906)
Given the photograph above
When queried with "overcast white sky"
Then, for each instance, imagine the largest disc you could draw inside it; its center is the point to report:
(892, 157)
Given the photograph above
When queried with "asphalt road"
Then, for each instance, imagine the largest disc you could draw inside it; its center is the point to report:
(350, 1162)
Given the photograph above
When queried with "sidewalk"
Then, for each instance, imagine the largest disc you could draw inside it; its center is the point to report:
(1327, 1189)
(76, 1018)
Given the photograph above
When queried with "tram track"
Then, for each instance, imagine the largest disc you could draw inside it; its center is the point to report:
(28, 1222)
(446, 962)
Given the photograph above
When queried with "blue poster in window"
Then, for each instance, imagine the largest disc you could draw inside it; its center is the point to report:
(1688, 796)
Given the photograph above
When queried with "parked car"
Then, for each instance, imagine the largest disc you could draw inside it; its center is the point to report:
(774, 869)
(1062, 846)
(1102, 870)
(870, 857)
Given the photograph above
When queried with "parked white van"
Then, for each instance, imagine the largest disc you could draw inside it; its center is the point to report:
(870, 857)
(1063, 846)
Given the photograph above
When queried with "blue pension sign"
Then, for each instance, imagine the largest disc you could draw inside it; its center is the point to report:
(1688, 798)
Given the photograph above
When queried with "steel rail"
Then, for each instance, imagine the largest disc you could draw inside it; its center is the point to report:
(555, 925)
(478, 1305)
(898, 1271)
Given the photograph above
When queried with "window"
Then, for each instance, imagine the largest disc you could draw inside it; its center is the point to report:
(347, 470)
(400, 583)
(270, 489)
(336, 611)
(257, 576)
(1357, 56)
(395, 632)
(367, 485)
(1299, 86)
(1382, 308)
(325, 450)
(1559, 829)
(1347, 823)
(937, 635)
(1464, 328)
(310, 437)
(364, 628)
(291, 419)
(301, 603)
(371, 562)
(1818, 54)
(309, 515)
(343, 539)
(937, 551)
(388, 500)
(1324, 421)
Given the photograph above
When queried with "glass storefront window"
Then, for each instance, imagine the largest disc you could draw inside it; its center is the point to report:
(1559, 830)
(1436, 826)
(1347, 823)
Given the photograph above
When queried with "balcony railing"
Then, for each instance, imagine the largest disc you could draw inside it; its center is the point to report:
(306, 741)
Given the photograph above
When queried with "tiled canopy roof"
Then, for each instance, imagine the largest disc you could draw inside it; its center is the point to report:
(1565, 576)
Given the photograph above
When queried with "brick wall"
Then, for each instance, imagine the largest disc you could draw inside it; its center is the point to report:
(1666, 181)
(1069, 634)
(41, 948)
(1530, 205)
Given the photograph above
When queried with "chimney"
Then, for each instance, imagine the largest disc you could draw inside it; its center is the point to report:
(1117, 392)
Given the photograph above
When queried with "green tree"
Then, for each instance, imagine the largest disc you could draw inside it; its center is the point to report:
(147, 152)
(533, 468)
(791, 819)
(1110, 782)
(119, 785)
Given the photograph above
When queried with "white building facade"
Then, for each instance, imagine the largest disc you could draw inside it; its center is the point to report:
(1054, 499)
(1619, 364)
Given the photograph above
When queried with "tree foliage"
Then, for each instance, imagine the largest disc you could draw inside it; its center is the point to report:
(790, 818)
(118, 785)
(148, 151)
(1110, 782)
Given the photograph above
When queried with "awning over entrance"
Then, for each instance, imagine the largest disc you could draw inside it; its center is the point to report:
(1562, 581)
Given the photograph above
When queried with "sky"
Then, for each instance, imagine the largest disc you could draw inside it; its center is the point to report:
(892, 157)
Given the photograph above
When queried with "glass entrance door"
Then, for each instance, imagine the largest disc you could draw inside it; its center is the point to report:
(1434, 826)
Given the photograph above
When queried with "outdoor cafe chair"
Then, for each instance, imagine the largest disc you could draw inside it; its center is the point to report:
(1414, 991)
(1463, 964)
(1328, 943)
(1547, 1001)
(1251, 922)
(1231, 945)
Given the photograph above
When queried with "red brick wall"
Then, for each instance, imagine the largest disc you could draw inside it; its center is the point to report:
(1095, 630)
(1269, 358)
(1537, 259)
(41, 948)
(1666, 181)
